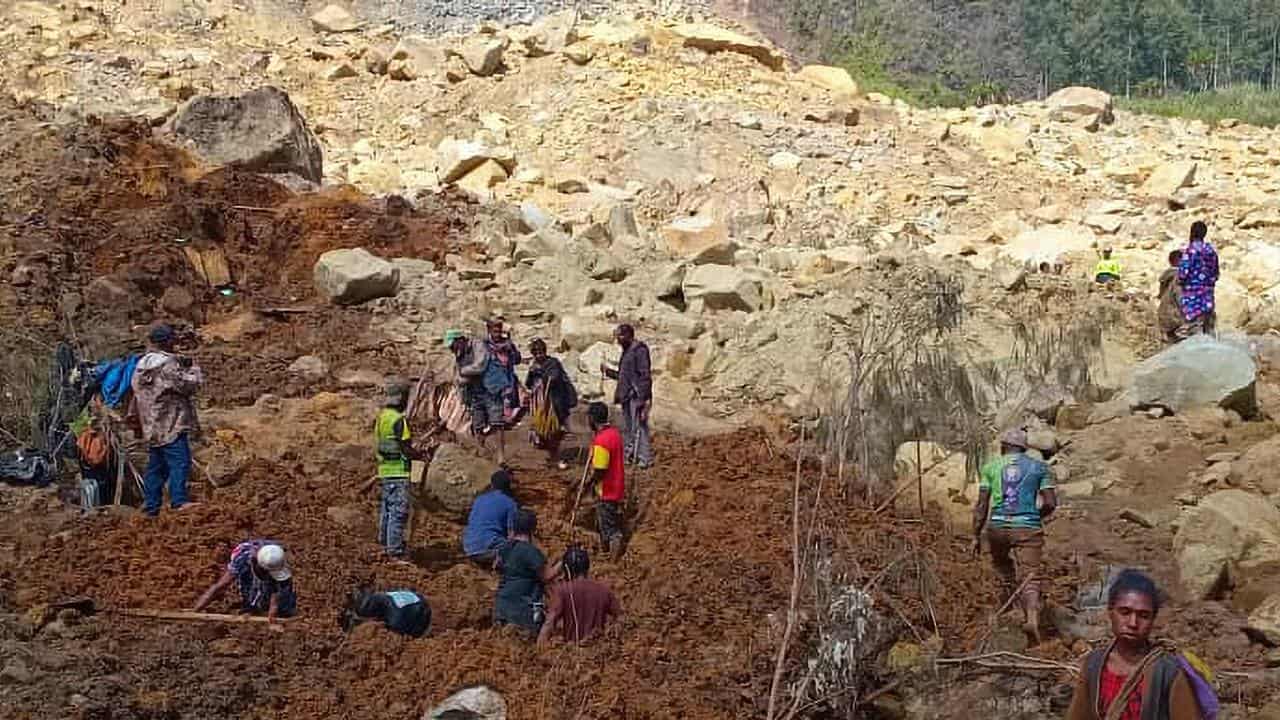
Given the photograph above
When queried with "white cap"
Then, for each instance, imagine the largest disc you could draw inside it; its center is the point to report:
(271, 559)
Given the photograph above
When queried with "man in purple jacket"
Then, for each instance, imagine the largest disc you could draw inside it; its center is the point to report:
(635, 395)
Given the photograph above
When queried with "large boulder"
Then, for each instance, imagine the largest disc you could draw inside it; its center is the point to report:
(1073, 103)
(836, 79)
(455, 476)
(946, 483)
(260, 130)
(1264, 622)
(713, 39)
(1049, 244)
(455, 158)
(1169, 178)
(482, 55)
(1257, 467)
(722, 287)
(1230, 536)
(352, 276)
(473, 703)
(580, 333)
(334, 19)
(1198, 372)
(700, 240)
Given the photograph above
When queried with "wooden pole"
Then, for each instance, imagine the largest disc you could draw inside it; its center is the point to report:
(187, 615)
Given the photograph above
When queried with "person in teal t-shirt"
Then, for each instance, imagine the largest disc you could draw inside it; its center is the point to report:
(1015, 494)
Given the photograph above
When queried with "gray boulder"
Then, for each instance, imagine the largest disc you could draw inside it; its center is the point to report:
(260, 130)
(474, 703)
(722, 287)
(352, 276)
(1198, 372)
(455, 477)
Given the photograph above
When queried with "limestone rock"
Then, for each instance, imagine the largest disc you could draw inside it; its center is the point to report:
(309, 367)
(1072, 103)
(548, 35)
(1167, 179)
(1264, 622)
(375, 177)
(416, 57)
(1047, 244)
(700, 240)
(722, 287)
(946, 483)
(580, 333)
(341, 71)
(483, 55)
(455, 476)
(713, 39)
(1004, 144)
(334, 19)
(352, 276)
(456, 158)
(260, 130)
(1106, 224)
(1198, 372)
(481, 181)
(835, 79)
(1230, 531)
(1257, 467)
(474, 703)
(784, 160)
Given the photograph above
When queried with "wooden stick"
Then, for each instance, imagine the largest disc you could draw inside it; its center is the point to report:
(193, 616)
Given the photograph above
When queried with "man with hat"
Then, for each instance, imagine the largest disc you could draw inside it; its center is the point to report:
(391, 447)
(164, 385)
(1015, 494)
(261, 573)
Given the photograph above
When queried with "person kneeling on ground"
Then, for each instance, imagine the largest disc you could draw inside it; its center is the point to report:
(493, 515)
(579, 607)
(1134, 678)
(524, 576)
(402, 611)
(1018, 492)
(260, 572)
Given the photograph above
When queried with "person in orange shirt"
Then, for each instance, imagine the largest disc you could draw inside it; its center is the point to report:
(607, 477)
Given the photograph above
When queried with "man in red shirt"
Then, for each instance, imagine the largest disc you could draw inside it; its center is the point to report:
(579, 607)
(607, 462)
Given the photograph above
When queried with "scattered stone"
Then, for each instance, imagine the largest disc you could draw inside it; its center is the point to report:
(835, 79)
(375, 61)
(784, 161)
(1167, 179)
(747, 121)
(352, 276)
(579, 53)
(456, 158)
(16, 672)
(569, 184)
(1079, 488)
(722, 287)
(529, 176)
(579, 333)
(417, 57)
(713, 39)
(474, 703)
(374, 176)
(1256, 467)
(455, 476)
(1137, 517)
(260, 131)
(1070, 104)
(1198, 372)
(1264, 622)
(622, 223)
(483, 55)
(1107, 224)
(309, 367)
(699, 239)
(1230, 532)
(334, 19)
(1222, 457)
(340, 72)
(481, 181)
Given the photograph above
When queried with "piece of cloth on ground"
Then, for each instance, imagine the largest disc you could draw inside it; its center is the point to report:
(493, 513)
(115, 378)
(520, 590)
(393, 516)
(584, 607)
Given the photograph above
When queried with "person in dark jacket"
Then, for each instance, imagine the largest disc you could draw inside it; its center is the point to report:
(634, 393)
(1149, 680)
(553, 397)
(404, 612)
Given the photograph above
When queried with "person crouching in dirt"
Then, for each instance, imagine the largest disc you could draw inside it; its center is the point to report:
(261, 573)
(608, 477)
(1134, 677)
(524, 574)
(579, 607)
(164, 385)
(634, 394)
(404, 612)
(489, 524)
(395, 456)
(1015, 493)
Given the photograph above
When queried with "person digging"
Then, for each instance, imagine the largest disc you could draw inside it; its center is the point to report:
(580, 607)
(1015, 495)
(260, 571)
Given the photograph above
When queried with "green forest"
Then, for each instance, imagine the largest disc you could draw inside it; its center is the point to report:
(1191, 55)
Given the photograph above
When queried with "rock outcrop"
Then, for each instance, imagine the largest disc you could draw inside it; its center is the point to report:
(260, 130)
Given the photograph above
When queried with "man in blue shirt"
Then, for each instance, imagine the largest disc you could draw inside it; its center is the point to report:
(492, 516)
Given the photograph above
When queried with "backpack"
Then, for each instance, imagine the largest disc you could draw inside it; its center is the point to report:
(93, 448)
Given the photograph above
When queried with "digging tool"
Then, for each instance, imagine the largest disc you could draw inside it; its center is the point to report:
(187, 615)
(582, 485)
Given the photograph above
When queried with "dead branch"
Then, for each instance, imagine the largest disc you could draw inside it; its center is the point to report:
(1010, 661)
